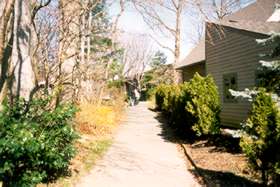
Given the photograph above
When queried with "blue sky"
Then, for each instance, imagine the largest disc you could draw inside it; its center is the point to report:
(131, 22)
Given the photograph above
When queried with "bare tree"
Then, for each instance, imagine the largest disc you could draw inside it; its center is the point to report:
(150, 11)
(64, 52)
(138, 53)
(214, 10)
(17, 45)
(156, 13)
(113, 47)
(224, 8)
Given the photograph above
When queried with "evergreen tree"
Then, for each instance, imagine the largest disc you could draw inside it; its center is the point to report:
(158, 60)
(161, 73)
(269, 73)
(260, 134)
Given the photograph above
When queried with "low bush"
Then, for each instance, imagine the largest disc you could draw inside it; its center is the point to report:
(260, 139)
(192, 105)
(36, 142)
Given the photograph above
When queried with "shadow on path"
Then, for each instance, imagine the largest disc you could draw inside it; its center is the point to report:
(170, 134)
(208, 177)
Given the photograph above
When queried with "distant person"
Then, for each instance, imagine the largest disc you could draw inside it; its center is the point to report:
(137, 96)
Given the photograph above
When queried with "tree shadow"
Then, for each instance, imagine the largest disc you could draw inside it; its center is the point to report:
(153, 109)
(169, 133)
(220, 143)
(217, 143)
(214, 178)
(224, 179)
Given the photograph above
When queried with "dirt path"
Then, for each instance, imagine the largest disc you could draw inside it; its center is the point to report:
(139, 156)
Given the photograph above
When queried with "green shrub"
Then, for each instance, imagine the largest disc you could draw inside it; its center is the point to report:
(260, 140)
(192, 105)
(36, 142)
(150, 93)
(168, 92)
(171, 93)
(203, 105)
(161, 96)
(179, 116)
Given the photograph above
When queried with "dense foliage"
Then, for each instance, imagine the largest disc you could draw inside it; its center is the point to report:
(261, 131)
(193, 105)
(204, 105)
(36, 142)
(260, 140)
(161, 96)
(268, 75)
(159, 59)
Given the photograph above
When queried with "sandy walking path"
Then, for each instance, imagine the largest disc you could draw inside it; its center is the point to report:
(140, 156)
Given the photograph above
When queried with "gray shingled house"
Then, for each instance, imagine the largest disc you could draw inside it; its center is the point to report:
(230, 53)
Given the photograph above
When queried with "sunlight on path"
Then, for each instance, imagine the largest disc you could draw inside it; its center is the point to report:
(139, 156)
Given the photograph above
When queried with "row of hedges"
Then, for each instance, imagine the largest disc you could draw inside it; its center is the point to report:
(193, 105)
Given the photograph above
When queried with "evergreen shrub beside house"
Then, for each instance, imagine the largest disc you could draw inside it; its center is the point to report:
(192, 105)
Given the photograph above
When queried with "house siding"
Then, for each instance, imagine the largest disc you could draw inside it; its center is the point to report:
(233, 51)
(189, 71)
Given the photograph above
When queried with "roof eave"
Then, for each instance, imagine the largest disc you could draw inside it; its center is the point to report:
(192, 64)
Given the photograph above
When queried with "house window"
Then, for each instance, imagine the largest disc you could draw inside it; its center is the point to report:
(229, 82)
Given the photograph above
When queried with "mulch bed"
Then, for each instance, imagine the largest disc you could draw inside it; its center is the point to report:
(219, 162)
(215, 161)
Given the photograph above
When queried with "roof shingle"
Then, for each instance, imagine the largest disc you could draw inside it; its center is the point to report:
(252, 18)
(195, 56)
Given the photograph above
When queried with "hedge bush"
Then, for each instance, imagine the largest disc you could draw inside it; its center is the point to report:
(192, 105)
(260, 139)
(36, 142)
(178, 114)
(204, 105)
(161, 96)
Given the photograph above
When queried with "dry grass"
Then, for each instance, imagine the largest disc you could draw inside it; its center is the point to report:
(96, 121)
(95, 124)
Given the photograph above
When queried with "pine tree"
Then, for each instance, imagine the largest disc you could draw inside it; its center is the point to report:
(260, 137)
(269, 73)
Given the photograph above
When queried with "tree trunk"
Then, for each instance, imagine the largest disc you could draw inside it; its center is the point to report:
(6, 43)
(17, 77)
(6, 8)
(177, 52)
(21, 54)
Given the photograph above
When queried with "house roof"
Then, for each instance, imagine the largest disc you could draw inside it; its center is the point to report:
(253, 26)
(252, 18)
(195, 56)
(255, 18)
(260, 11)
